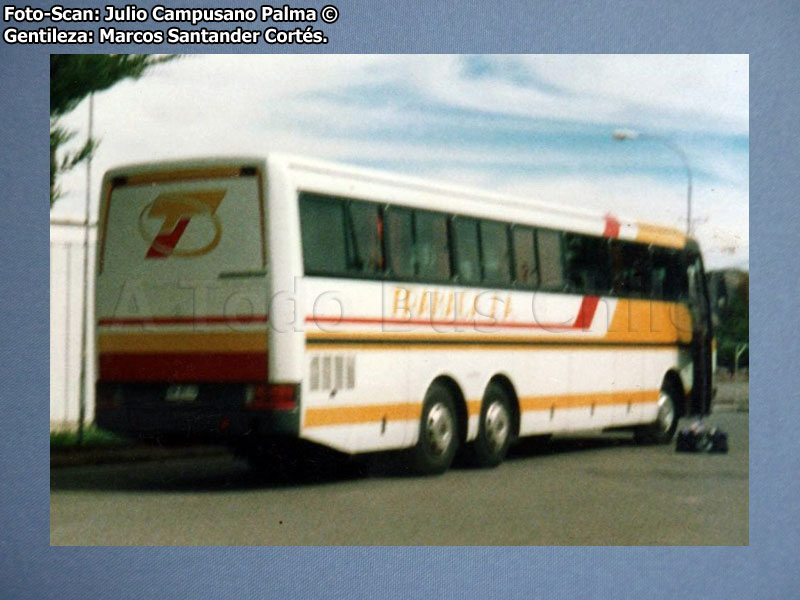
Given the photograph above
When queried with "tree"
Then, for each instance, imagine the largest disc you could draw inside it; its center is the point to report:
(72, 78)
(733, 326)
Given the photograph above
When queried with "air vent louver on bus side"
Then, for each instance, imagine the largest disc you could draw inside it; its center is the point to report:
(328, 372)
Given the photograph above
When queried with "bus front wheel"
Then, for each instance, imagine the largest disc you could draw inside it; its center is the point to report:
(438, 433)
(662, 430)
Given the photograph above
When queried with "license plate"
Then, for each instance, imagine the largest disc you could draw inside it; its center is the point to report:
(181, 393)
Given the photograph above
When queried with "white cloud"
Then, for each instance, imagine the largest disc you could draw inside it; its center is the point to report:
(677, 91)
(713, 87)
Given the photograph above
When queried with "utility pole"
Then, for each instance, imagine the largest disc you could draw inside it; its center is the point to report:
(627, 134)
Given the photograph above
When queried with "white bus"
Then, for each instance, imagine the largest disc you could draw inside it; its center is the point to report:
(280, 301)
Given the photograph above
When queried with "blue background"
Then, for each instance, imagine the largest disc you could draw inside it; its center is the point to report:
(29, 568)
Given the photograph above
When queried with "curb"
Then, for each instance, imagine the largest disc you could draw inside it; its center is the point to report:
(80, 457)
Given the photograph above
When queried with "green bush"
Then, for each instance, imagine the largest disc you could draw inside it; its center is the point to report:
(92, 438)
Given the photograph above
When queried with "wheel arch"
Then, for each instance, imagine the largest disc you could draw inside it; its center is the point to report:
(672, 381)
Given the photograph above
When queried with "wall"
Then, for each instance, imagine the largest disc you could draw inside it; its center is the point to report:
(66, 305)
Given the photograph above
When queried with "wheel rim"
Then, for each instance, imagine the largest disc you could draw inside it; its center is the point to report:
(439, 429)
(666, 412)
(497, 425)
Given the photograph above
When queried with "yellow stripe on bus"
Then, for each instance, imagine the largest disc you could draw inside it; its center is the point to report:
(133, 343)
(660, 236)
(649, 321)
(353, 415)
(376, 346)
(534, 403)
(411, 411)
(473, 408)
(221, 172)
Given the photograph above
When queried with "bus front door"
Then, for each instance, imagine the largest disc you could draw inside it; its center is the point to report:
(701, 337)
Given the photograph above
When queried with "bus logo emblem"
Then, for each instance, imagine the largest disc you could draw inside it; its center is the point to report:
(176, 210)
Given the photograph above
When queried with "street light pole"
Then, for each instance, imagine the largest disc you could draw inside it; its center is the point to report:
(85, 290)
(627, 134)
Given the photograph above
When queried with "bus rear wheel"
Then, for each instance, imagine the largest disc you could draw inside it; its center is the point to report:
(438, 433)
(662, 430)
(495, 428)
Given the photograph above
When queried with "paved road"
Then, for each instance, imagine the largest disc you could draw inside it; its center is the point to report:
(599, 489)
(733, 394)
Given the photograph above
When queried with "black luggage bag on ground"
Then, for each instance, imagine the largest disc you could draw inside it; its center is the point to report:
(699, 438)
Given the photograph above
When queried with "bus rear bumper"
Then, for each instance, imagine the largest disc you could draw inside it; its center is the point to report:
(218, 414)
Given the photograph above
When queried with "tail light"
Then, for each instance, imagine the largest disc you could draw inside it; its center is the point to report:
(271, 396)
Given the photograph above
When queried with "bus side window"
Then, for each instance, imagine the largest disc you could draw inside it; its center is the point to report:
(431, 248)
(551, 272)
(400, 242)
(587, 263)
(525, 272)
(495, 252)
(465, 245)
(323, 234)
(366, 248)
(631, 268)
(669, 281)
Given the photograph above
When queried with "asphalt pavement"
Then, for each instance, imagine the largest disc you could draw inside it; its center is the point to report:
(595, 489)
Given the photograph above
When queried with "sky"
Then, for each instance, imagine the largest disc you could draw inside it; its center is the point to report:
(532, 126)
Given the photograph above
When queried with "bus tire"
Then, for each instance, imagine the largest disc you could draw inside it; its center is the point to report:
(662, 430)
(438, 433)
(494, 430)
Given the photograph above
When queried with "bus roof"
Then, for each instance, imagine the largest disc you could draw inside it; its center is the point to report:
(557, 215)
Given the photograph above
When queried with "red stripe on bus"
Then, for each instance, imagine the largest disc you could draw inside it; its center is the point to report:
(586, 312)
(612, 227)
(184, 366)
(497, 324)
(582, 321)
